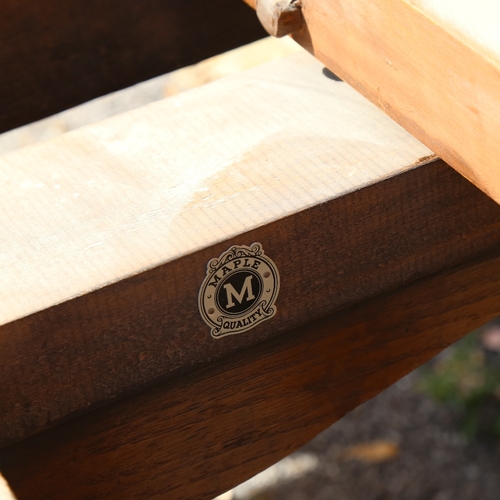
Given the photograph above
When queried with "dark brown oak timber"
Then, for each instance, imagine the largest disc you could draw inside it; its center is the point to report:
(201, 434)
(57, 54)
(106, 232)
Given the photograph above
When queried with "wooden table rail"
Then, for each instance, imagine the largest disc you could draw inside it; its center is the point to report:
(385, 256)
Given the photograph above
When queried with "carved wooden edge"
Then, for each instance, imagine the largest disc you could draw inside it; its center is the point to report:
(57, 55)
(279, 17)
(199, 435)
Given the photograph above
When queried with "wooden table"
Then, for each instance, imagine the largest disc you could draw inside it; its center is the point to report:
(113, 383)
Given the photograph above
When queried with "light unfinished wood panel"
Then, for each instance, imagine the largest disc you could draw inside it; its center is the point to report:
(163, 181)
(106, 232)
(143, 93)
(433, 66)
(198, 436)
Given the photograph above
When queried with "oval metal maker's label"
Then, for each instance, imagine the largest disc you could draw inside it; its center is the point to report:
(239, 290)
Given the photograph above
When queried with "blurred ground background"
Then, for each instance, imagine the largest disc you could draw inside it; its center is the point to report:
(435, 435)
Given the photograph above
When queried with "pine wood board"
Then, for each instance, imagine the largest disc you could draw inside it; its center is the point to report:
(433, 66)
(143, 93)
(106, 231)
(199, 435)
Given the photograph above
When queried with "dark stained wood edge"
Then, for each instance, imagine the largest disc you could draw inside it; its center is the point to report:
(87, 352)
(55, 55)
(199, 435)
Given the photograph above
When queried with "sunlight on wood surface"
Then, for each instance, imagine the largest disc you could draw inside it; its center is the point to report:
(211, 69)
(477, 21)
(101, 191)
(5, 493)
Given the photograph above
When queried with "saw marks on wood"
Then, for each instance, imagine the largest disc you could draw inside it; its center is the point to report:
(106, 231)
(133, 192)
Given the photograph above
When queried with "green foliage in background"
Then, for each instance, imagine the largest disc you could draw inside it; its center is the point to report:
(467, 379)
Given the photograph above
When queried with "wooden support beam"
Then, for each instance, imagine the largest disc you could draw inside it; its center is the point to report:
(433, 66)
(198, 436)
(107, 231)
(57, 54)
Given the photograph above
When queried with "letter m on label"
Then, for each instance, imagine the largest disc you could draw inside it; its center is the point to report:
(246, 288)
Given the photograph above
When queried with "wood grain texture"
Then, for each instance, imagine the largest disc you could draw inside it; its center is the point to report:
(432, 66)
(106, 232)
(54, 55)
(198, 436)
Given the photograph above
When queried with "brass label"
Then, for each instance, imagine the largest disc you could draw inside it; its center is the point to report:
(239, 290)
